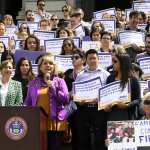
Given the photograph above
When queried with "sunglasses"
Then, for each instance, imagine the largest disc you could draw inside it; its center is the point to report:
(41, 4)
(64, 10)
(54, 19)
(75, 57)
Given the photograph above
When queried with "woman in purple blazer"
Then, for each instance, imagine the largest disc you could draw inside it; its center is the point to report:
(49, 92)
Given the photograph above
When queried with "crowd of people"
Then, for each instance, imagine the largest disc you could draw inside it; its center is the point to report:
(52, 87)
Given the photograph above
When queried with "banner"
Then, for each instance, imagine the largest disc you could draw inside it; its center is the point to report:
(112, 93)
(64, 62)
(128, 135)
(106, 13)
(144, 87)
(31, 55)
(32, 25)
(144, 63)
(54, 46)
(109, 24)
(44, 35)
(143, 6)
(131, 37)
(127, 12)
(86, 45)
(105, 59)
(5, 40)
(11, 31)
(86, 90)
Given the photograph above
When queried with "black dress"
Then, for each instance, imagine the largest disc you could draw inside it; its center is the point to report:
(129, 113)
(70, 78)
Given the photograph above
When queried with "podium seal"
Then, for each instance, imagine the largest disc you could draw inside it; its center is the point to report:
(16, 128)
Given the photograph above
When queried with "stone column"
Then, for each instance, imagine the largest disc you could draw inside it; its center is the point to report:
(71, 2)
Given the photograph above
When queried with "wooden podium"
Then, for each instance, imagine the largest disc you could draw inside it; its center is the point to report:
(23, 128)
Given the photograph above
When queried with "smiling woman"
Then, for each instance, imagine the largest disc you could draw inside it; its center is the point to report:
(10, 90)
(49, 92)
(68, 47)
(23, 74)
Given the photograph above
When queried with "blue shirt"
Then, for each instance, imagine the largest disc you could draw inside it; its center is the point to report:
(87, 74)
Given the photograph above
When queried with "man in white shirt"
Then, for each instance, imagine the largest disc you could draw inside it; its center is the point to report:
(41, 12)
(91, 123)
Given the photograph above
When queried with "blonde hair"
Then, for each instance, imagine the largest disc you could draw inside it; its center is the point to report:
(50, 58)
(118, 49)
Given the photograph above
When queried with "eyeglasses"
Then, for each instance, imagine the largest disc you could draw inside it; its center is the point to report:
(54, 19)
(76, 57)
(106, 38)
(41, 4)
(65, 10)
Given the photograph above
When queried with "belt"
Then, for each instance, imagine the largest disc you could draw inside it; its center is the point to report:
(89, 105)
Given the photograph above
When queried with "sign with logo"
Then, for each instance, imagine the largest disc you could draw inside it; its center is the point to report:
(16, 128)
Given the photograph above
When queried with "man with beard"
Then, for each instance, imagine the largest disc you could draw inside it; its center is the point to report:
(29, 15)
(146, 52)
(41, 12)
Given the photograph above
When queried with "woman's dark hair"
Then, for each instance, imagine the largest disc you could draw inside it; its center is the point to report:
(80, 53)
(125, 68)
(143, 15)
(36, 39)
(106, 33)
(60, 29)
(136, 68)
(28, 30)
(3, 45)
(93, 31)
(18, 74)
(91, 51)
(101, 25)
(134, 13)
(66, 40)
(7, 55)
(39, 1)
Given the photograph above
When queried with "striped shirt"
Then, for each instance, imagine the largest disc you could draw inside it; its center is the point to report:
(87, 74)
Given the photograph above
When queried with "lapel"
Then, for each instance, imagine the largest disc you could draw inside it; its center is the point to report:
(10, 96)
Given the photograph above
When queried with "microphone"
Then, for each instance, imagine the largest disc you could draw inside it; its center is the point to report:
(47, 76)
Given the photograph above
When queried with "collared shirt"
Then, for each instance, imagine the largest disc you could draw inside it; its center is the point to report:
(142, 55)
(87, 74)
(137, 29)
(45, 15)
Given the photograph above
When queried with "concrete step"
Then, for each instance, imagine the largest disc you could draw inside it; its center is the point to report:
(53, 7)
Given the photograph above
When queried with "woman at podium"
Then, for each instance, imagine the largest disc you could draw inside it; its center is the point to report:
(50, 92)
(10, 90)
